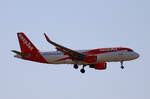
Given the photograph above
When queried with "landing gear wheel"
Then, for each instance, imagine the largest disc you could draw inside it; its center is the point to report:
(75, 66)
(82, 71)
(122, 67)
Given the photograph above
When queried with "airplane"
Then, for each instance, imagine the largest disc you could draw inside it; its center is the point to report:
(94, 58)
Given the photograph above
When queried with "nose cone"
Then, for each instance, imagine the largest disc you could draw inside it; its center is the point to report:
(136, 55)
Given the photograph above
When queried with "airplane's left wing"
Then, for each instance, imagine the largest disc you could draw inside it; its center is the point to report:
(71, 53)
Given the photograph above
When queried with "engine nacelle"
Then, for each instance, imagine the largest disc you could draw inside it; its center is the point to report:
(100, 66)
(90, 59)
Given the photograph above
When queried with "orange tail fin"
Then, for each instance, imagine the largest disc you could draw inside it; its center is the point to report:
(29, 49)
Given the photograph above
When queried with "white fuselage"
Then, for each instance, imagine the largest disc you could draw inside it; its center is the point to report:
(56, 57)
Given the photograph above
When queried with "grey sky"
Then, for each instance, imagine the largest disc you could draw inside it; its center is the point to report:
(77, 24)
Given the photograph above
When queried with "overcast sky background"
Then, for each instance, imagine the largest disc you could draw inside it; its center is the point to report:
(76, 24)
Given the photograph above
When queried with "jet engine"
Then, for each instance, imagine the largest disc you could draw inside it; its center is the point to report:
(100, 66)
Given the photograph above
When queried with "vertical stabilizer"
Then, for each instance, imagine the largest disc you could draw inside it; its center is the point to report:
(29, 49)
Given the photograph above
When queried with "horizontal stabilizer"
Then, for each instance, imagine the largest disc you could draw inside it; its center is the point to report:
(18, 53)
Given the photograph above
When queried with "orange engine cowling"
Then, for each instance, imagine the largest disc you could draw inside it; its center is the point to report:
(90, 59)
(100, 66)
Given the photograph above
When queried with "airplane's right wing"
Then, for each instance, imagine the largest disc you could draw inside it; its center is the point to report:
(74, 54)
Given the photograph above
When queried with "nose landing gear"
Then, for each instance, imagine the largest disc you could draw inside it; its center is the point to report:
(122, 67)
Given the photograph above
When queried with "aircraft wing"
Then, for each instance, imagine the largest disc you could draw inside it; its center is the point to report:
(65, 50)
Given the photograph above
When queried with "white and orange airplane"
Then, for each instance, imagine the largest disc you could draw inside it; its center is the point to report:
(95, 58)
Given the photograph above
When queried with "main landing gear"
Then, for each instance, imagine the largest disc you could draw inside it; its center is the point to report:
(122, 67)
(82, 70)
(75, 66)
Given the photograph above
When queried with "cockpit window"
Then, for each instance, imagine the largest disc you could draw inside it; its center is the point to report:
(130, 50)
